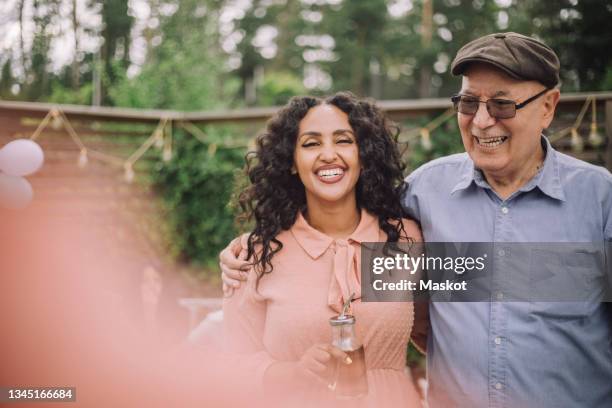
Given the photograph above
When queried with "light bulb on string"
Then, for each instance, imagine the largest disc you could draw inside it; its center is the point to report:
(595, 138)
(128, 174)
(426, 139)
(167, 152)
(82, 161)
(56, 121)
(159, 139)
(576, 141)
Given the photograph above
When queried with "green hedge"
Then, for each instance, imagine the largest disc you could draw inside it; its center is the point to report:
(196, 187)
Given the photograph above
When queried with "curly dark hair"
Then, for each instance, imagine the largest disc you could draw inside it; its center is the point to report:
(275, 195)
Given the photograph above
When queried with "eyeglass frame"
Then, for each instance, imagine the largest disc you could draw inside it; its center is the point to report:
(455, 99)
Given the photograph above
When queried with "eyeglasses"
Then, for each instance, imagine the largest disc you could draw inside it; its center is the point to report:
(497, 108)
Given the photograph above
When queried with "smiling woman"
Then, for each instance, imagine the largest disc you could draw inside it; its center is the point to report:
(326, 177)
(326, 159)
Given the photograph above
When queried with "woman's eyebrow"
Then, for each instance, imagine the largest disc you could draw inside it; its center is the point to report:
(318, 134)
(310, 133)
(343, 131)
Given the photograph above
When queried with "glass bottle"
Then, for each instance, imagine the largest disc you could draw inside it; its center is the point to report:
(349, 380)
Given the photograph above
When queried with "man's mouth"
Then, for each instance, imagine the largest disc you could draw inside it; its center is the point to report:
(330, 175)
(490, 142)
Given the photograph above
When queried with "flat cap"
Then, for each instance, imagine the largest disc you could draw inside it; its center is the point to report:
(519, 56)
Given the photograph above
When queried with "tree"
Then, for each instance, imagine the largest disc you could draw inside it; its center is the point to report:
(185, 71)
(578, 31)
(115, 51)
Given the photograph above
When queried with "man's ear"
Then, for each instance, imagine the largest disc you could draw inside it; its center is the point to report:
(551, 99)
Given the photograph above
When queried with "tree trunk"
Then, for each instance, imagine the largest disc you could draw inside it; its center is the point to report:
(75, 61)
(427, 27)
(21, 5)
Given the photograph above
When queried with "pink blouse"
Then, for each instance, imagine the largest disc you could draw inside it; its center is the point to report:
(289, 311)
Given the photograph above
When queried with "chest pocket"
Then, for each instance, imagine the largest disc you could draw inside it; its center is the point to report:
(565, 282)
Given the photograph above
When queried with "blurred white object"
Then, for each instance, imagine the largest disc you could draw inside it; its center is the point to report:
(82, 161)
(21, 157)
(209, 331)
(196, 305)
(15, 191)
(423, 386)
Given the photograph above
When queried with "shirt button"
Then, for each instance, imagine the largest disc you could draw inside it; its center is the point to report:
(504, 210)
(501, 252)
(498, 340)
(499, 386)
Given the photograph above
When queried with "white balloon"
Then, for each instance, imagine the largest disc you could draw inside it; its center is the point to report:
(21, 157)
(15, 191)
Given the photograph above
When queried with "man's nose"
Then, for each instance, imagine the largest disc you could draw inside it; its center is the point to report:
(482, 119)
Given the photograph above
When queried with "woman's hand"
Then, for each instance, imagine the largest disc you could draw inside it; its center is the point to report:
(317, 366)
(319, 362)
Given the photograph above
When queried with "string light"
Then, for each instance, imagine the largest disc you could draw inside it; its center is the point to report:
(128, 174)
(56, 121)
(162, 137)
(159, 139)
(82, 161)
(595, 138)
(576, 141)
(426, 139)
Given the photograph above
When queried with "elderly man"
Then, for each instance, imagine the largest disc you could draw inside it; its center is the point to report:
(511, 186)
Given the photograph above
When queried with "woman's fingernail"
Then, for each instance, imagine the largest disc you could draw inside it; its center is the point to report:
(348, 360)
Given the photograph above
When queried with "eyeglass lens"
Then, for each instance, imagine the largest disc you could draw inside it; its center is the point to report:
(497, 108)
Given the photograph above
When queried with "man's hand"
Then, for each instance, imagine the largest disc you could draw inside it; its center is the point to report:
(234, 267)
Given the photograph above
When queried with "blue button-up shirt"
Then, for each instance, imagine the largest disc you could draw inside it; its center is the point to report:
(516, 354)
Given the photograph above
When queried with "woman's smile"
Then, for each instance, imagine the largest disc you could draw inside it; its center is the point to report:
(330, 174)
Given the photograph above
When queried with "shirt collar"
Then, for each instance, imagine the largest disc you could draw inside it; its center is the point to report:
(467, 173)
(315, 243)
(548, 180)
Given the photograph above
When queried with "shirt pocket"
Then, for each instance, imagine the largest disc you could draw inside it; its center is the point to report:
(564, 283)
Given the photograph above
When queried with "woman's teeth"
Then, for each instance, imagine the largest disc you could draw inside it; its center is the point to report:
(491, 141)
(330, 173)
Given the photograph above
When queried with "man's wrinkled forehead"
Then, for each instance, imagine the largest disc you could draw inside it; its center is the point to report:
(482, 77)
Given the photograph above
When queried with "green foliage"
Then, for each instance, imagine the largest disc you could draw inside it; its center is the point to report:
(278, 88)
(445, 140)
(6, 79)
(577, 31)
(414, 358)
(196, 187)
(62, 94)
(184, 72)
